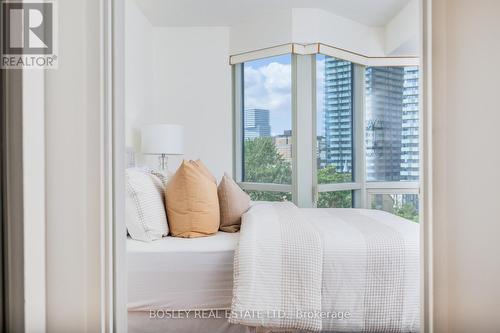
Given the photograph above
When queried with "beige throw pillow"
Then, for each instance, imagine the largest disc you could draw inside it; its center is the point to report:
(192, 201)
(199, 164)
(233, 202)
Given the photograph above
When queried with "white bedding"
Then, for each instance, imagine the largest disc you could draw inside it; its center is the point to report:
(181, 273)
(369, 270)
(278, 269)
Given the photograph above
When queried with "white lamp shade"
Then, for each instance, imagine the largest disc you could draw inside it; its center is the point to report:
(160, 139)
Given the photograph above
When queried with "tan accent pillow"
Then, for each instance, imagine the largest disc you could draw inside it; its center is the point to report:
(192, 202)
(202, 167)
(233, 202)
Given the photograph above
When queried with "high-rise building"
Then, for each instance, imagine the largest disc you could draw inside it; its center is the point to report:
(338, 106)
(392, 121)
(410, 136)
(384, 105)
(320, 152)
(392, 129)
(256, 124)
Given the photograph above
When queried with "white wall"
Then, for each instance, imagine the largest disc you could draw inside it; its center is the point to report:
(311, 25)
(193, 89)
(139, 64)
(180, 76)
(467, 158)
(258, 32)
(402, 31)
(73, 161)
(33, 207)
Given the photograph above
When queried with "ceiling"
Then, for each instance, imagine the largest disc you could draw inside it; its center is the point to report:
(230, 12)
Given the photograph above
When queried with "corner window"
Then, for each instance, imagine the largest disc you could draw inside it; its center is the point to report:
(361, 124)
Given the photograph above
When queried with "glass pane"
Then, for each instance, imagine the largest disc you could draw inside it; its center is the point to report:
(334, 107)
(337, 199)
(267, 120)
(404, 205)
(392, 119)
(269, 196)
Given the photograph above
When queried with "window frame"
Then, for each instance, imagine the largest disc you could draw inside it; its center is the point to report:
(238, 135)
(305, 190)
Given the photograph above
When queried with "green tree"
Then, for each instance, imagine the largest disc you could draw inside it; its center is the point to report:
(338, 199)
(407, 211)
(263, 164)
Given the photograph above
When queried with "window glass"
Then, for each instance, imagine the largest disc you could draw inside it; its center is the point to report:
(390, 121)
(334, 113)
(337, 199)
(269, 196)
(267, 120)
(404, 205)
(392, 124)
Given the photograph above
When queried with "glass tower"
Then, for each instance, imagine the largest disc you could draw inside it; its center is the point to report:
(256, 124)
(338, 108)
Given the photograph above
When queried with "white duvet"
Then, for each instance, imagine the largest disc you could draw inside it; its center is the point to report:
(342, 270)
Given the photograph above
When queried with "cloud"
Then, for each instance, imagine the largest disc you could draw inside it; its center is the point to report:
(269, 87)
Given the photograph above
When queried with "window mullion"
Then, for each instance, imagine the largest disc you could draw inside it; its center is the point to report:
(302, 127)
(360, 196)
(238, 122)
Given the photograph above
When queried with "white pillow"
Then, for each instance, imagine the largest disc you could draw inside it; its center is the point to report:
(145, 215)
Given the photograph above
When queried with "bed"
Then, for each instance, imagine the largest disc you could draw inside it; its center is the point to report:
(178, 274)
(329, 270)
(181, 273)
(284, 260)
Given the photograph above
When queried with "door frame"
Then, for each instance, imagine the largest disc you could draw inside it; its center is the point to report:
(114, 148)
(12, 238)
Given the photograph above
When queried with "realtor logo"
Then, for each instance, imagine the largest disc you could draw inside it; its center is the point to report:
(28, 35)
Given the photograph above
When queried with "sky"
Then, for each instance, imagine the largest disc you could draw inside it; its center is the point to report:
(268, 86)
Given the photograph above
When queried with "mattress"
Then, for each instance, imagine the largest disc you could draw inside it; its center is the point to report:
(181, 273)
(141, 322)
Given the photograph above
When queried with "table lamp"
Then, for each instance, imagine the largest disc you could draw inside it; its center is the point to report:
(163, 140)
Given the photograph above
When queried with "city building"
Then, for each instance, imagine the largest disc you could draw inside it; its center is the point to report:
(384, 127)
(338, 113)
(410, 136)
(392, 121)
(283, 144)
(321, 151)
(256, 124)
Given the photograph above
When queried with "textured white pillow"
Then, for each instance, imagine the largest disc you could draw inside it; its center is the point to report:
(145, 215)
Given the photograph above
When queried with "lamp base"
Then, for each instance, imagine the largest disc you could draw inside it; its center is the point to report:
(163, 165)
